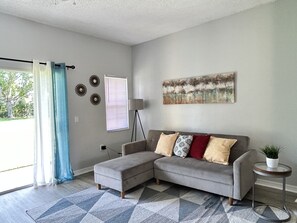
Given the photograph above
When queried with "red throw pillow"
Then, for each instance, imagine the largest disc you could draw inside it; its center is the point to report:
(198, 146)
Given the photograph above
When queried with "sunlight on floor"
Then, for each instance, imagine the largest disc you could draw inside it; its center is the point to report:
(16, 178)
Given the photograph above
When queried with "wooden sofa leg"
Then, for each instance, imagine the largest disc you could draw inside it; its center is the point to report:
(99, 186)
(122, 194)
(157, 181)
(230, 201)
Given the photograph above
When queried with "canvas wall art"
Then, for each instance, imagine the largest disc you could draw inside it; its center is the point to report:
(213, 88)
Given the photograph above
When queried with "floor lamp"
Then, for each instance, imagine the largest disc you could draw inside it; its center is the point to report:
(135, 105)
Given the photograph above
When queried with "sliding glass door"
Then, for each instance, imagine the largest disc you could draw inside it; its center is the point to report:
(16, 129)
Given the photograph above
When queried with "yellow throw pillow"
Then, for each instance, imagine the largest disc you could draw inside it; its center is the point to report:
(165, 144)
(218, 150)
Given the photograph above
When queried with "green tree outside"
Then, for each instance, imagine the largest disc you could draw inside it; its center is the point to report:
(16, 94)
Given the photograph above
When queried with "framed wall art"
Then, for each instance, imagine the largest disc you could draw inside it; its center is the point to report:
(213, 88)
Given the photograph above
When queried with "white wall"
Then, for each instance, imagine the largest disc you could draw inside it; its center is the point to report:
(23, 39)
(261, 46)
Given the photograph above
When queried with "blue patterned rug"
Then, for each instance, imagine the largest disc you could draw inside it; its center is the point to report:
(151, 203)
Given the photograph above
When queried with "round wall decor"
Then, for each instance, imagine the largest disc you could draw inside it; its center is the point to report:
(95, 99)
(80, 89)
(94, 80)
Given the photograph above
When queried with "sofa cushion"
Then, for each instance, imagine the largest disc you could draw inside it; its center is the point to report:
(218, 150)
(127, 166)
(165, 144)
(239, 148)
(196, 168)
(153, 138)
(182, 145)
(198, 146)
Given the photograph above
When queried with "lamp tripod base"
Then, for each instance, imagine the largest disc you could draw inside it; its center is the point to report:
(134, 129)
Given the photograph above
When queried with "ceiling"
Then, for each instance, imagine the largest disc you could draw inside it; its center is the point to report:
(126, 21)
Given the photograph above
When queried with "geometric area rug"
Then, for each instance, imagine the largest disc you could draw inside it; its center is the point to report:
(147, 203)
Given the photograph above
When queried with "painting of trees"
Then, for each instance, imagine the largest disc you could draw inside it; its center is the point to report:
(16, 94)
(214, 88)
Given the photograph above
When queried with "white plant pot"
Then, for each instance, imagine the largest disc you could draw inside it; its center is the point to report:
(272, 163)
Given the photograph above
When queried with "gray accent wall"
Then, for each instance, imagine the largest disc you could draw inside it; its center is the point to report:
(260, 45)
(23, 39)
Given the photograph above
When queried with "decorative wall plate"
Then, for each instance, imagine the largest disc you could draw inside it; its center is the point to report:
(80, 89)
(95, 99)
(94, 80)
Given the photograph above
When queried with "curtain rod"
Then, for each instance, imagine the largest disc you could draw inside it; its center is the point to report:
(28, 61)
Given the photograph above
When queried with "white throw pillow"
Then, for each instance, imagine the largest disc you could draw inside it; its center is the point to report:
(182, 145)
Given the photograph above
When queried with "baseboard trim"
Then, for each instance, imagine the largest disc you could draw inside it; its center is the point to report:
(83, 170)
(276, 185)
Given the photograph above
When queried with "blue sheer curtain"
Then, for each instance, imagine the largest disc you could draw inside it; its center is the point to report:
(62, 166)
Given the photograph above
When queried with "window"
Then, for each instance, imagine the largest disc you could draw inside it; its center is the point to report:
(116, 101)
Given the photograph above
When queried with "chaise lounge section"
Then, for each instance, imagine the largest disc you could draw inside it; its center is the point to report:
(126, 172)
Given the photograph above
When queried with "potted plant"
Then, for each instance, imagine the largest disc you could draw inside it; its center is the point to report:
(271, 153)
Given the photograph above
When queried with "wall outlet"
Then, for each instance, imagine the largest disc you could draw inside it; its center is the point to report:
(76, 119)
(102, 147)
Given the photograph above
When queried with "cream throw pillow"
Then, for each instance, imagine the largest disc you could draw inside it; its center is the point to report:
(165, 144)
(218, 150)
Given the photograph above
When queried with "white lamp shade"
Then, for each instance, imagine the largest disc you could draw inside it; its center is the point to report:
(135, 104)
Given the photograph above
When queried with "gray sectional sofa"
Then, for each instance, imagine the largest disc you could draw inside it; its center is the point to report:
(139, 163)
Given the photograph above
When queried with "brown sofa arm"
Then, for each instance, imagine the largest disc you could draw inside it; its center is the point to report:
(133, 147)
